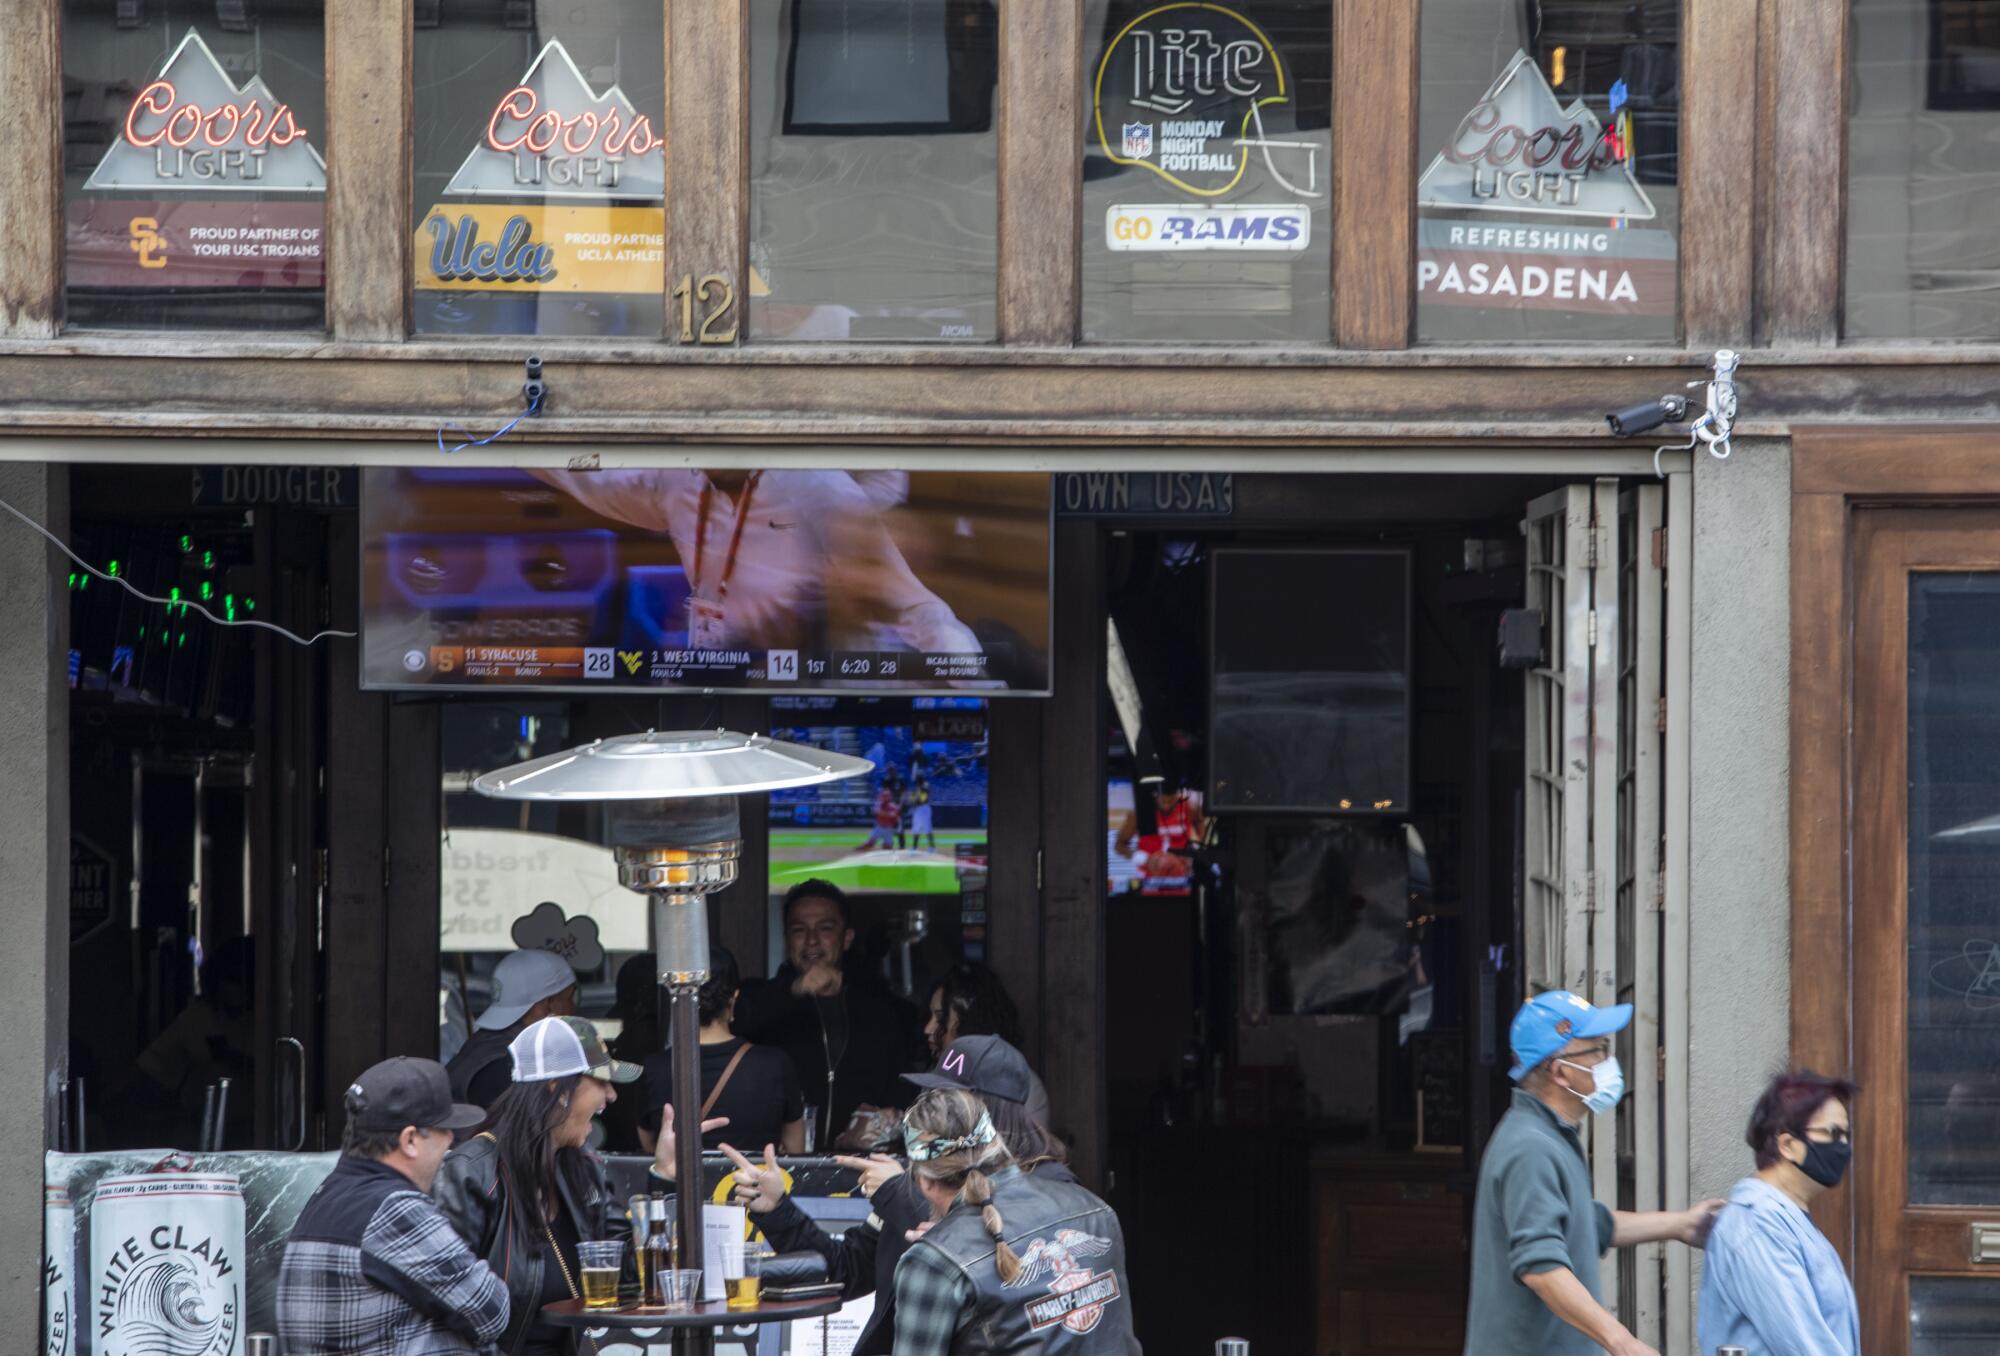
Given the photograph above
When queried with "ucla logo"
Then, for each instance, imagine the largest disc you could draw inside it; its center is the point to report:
(458, 254)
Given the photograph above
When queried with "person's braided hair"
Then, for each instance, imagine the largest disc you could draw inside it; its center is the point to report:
(960, 1117)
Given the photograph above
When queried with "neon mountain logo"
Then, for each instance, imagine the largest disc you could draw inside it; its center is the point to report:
(1518, 150)
(193, 131)
(552, 136)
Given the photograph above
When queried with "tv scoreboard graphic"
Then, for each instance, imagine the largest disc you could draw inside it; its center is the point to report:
(558, 664)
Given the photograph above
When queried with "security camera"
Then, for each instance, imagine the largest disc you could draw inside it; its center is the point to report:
(1647, 416)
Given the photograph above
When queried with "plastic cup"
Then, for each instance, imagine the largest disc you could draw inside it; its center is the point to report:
(600, 1262)
(680, 1288)
(742, 1291)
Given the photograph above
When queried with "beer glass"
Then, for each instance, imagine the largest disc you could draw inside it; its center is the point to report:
(742, 1291)
(599, 1263)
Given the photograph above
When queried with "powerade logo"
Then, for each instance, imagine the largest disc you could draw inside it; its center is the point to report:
(1175, 228)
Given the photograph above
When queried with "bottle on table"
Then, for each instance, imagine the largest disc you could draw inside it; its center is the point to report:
(656, 1252)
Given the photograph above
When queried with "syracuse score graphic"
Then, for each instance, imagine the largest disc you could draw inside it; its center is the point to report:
(1186, 88)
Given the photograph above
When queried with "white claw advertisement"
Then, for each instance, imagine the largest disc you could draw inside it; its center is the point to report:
(58, 1271)
(166, 1265)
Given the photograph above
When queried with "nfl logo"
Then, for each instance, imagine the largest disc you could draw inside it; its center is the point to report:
(1138, 140)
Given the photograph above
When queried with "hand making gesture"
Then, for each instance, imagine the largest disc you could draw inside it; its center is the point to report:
(873, 1170)
(758, 1189)
(663, 1152)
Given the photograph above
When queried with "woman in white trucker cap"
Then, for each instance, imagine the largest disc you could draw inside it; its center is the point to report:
(525, 1190)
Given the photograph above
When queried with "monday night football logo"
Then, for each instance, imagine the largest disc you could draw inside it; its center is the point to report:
(193, 130)
(1190, 92)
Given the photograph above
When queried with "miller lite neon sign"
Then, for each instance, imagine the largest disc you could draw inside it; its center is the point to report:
(193, 130)
(552, 136)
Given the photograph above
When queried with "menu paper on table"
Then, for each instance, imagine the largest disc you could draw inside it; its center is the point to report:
(722, 1229)
(831, 1334)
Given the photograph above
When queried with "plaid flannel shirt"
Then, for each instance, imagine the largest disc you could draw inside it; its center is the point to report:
(933, 1301)
(373, 1268)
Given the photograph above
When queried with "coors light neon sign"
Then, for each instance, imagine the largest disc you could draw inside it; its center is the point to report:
(552, 136)
(1518, 150)
(193, 130)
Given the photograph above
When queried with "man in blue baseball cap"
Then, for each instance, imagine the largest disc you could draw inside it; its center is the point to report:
(1537, 1233)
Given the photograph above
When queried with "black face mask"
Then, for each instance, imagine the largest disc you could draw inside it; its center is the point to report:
(1826, 1163)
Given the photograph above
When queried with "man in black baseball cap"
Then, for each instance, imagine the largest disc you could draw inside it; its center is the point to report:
(373, 1267)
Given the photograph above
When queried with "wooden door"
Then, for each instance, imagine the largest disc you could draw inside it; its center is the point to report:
(1926, 930)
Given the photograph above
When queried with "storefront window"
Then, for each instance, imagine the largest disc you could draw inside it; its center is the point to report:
(874, 161)
(525, 875)
(907, 843)
(1207, 171)
(1549, 207)
(1923, 187)
(194, 188)
(539, 169)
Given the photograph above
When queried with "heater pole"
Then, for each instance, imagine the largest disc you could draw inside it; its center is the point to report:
(684, 1040)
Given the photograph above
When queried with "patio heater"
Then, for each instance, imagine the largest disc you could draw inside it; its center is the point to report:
(671, 813)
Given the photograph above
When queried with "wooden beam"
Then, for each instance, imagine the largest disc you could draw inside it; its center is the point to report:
(1821, 659)
(1935, 460)
(1176, 399)
(1719, 127)
(31, 134)
(414, 819)
(368, 169)
(1374, 173)
(708, 157)
(1041, 170)
(1808, 169)
(1072, 998)
(1013, 854)
(742, 917)
(355, 924)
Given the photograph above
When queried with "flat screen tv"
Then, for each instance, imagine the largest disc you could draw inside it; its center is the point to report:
(659, 579)
(1309, 686)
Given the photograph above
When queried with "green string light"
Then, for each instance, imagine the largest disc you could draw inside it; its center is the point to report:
(207, 590)
(112, 570)
(187, 543)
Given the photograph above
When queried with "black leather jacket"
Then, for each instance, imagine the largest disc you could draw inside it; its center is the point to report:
(473, 1191)
(863, 1259)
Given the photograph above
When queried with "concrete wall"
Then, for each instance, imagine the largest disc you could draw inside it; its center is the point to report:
(34, 869)
(1740, 954)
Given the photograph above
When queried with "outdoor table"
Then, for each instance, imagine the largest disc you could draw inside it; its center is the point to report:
(705, 1314)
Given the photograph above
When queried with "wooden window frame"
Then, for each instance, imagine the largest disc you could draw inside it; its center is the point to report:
(1761, 238)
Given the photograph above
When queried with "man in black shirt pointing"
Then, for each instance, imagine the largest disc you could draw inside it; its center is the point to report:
(849, 1037)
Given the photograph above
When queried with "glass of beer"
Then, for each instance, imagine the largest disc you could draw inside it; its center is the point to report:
(742, 1290)
(599, 1264)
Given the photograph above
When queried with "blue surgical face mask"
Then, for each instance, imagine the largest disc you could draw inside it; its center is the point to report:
(1610, 1084)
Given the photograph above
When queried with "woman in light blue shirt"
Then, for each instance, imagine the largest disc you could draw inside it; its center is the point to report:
(1772, 1284)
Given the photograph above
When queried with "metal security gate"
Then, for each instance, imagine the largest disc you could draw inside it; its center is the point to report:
(1594, 890)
